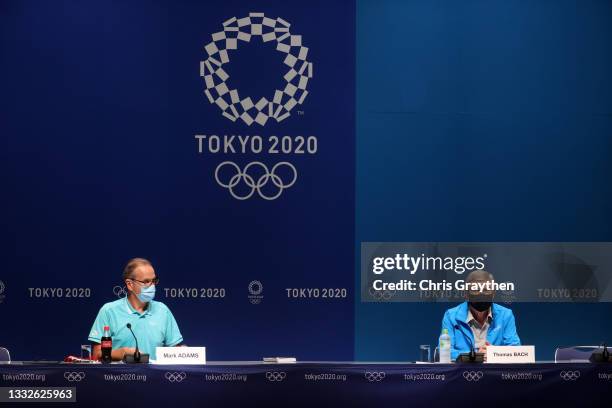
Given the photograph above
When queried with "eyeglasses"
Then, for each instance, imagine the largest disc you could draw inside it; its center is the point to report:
(147, 282)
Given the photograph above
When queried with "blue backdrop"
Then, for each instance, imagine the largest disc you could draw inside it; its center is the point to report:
(435, 121)
(100, 105)
(482, 121)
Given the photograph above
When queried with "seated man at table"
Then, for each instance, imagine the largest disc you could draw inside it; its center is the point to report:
(478, 322)
(152, 322)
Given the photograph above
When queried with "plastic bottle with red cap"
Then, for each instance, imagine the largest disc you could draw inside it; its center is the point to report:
(106, 343)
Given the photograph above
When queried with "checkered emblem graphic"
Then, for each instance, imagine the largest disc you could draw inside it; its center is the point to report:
(280, 103)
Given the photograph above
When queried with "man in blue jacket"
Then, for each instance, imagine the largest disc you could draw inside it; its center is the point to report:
(478, 322)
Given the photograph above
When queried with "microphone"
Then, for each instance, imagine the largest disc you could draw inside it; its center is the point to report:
(136, 352)
(472, 351)
(137, 357)
(472, 356)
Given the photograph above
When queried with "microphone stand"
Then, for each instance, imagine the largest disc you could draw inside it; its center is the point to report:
(472, 356)
(137, 357)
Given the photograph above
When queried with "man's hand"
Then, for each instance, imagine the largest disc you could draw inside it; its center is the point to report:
(123, 351)
(483, 350)
(116, 354)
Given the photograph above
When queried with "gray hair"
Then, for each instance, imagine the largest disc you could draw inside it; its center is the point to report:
(128, 271)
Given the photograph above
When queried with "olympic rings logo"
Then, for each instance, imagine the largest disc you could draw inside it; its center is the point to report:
(74, 376)
(275, 375)
(228, 100)
(380, 295)
(374, 376)
(120, 291)
(473, 375)
(256, 182)
(175, 377)
(569, 375)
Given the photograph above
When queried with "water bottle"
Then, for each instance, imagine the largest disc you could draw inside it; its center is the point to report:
(106, 343)
(445, 347)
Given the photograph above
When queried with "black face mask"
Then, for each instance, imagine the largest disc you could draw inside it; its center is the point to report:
(481, 306)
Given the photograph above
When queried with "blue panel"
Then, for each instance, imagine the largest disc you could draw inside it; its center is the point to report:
(98, 163)
(482, 121)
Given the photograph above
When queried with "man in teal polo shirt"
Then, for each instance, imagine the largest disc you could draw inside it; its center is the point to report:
(152, 322)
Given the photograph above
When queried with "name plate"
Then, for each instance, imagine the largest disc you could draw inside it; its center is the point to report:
(181, 355)
(510, 354)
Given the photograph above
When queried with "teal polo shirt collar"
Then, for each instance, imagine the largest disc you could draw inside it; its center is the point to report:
(147, 311)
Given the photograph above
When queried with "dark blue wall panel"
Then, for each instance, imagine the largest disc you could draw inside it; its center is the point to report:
(99, 105)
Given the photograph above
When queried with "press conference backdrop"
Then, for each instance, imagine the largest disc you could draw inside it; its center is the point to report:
(101, 105)
(419, 121)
